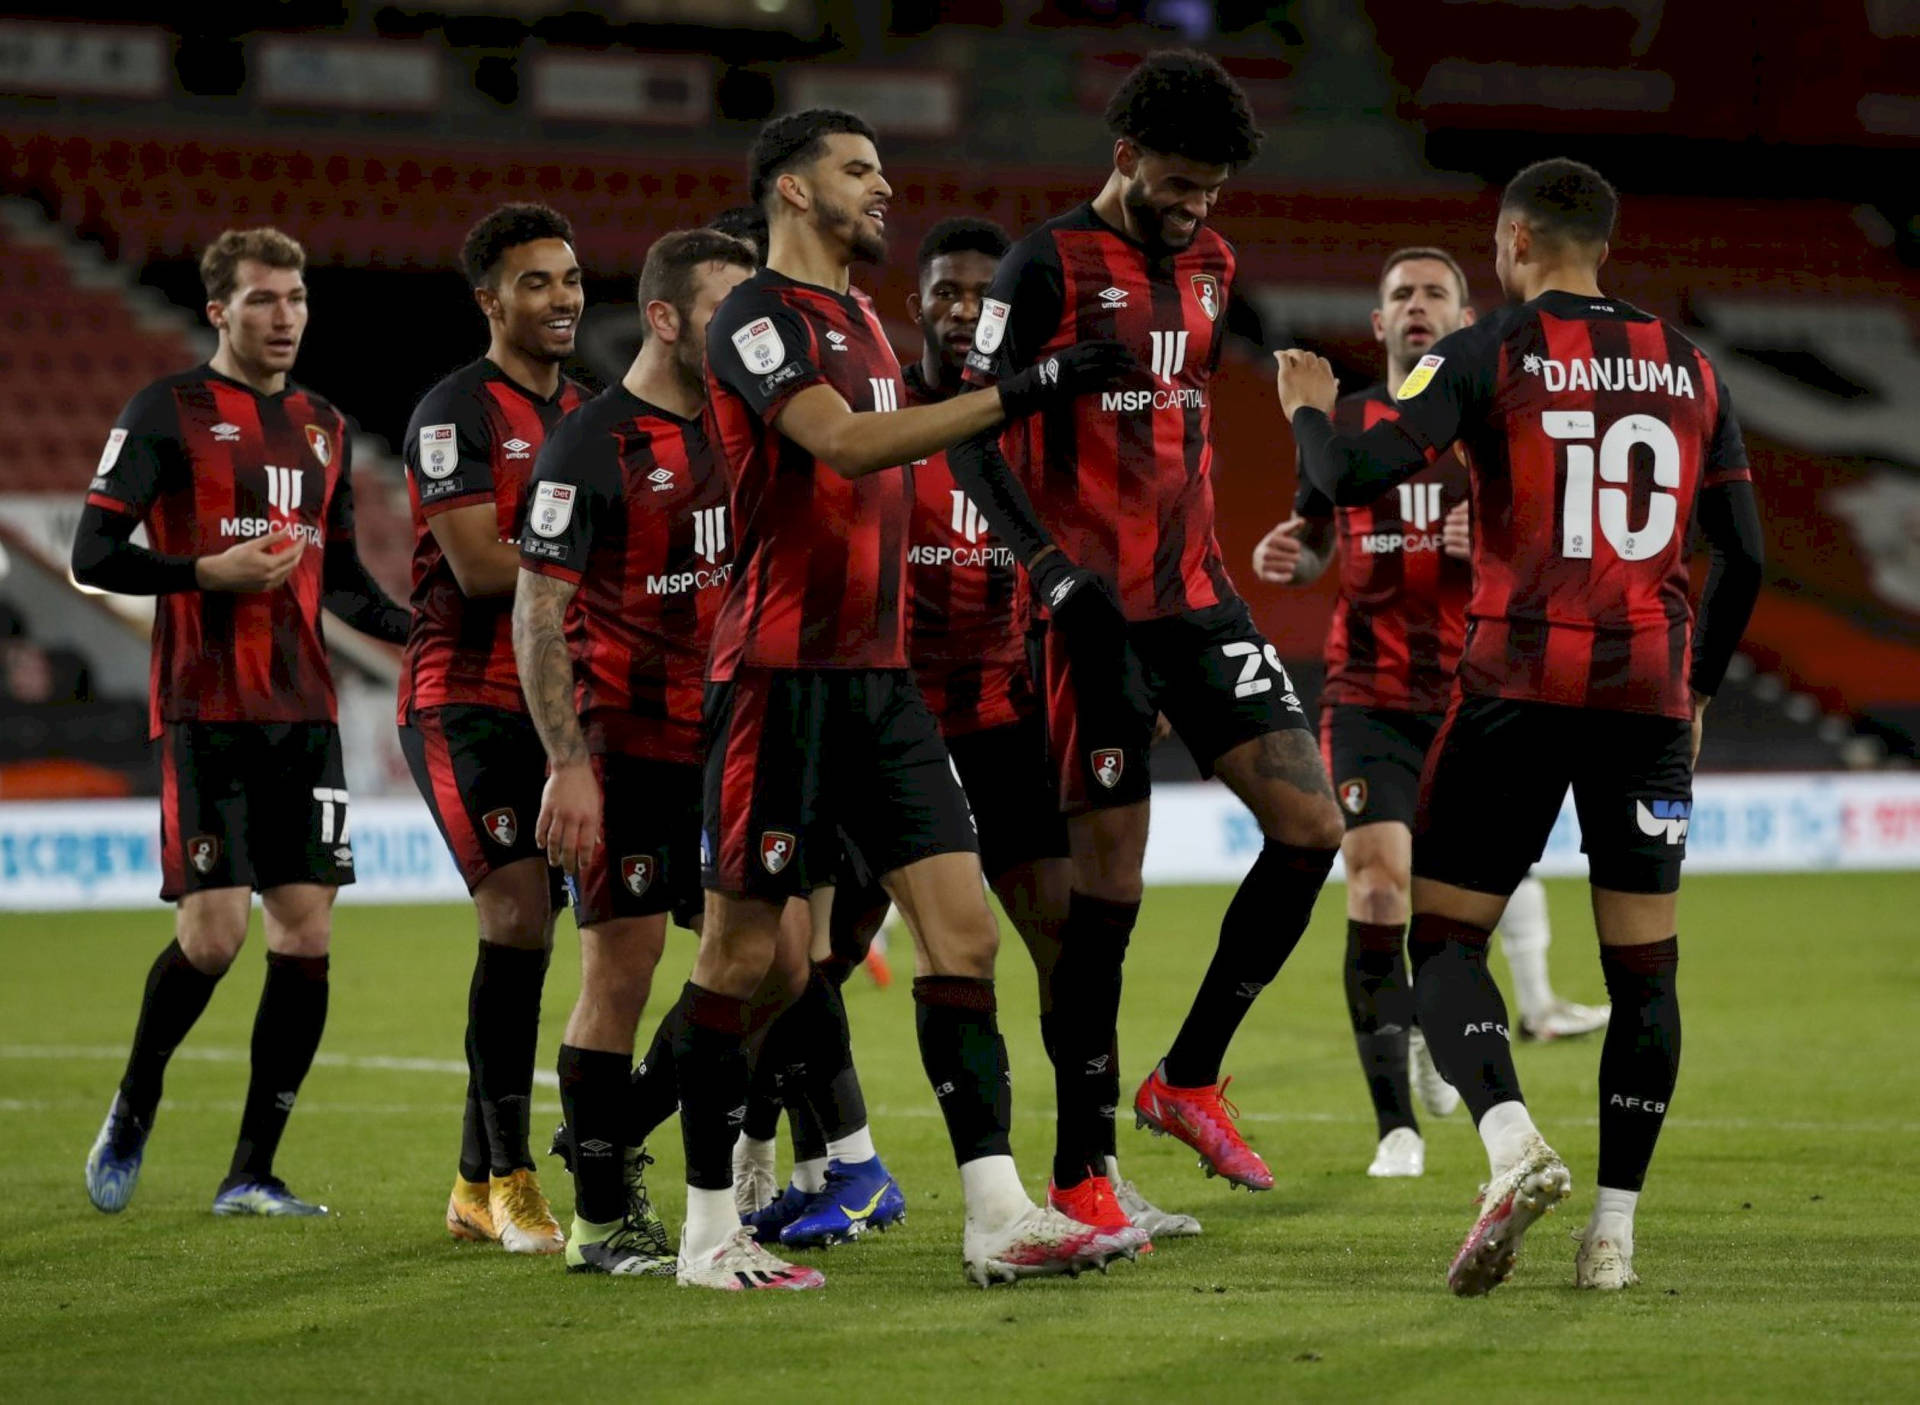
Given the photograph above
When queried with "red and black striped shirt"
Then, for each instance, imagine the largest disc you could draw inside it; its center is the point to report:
(820, 561)
(628, 503)
(1122, 480)
(206, 463)
(472, 440)
(1400, 619)
(965, 631)
(1590, 428)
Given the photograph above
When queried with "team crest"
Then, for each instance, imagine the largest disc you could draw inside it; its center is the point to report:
(321, 445)
(552, 509)
(636, 871)
(501, 827)
(1353, 795)
(776, 850)
(1108, 763)
(203, 852)
(1207, 289)
(760, 347)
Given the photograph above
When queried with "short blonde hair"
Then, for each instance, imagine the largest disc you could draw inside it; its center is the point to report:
(220, 263)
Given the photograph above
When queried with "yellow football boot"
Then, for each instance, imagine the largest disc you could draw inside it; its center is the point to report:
(523, 1221)
(469, 1213)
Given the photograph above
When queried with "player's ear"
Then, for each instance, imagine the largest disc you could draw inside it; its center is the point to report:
(217, 315)
(663, 320)
(794, 191)
(1605, 249)
(1467, 314)
(1379, 326)
(1126, 157)
(488, 302)
(913, 308)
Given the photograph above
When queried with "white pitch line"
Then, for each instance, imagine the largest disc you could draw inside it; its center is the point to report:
(386, 1063)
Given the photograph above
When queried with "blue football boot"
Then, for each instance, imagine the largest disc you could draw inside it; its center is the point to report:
(857, 1197)
(113, 1166)
(771, 1219)
(261, 1195)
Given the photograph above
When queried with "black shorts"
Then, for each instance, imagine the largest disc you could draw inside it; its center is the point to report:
(648, 861)
(795, 757)
(1010, 786)
(481, 771)
(1499, 772)
(1218, 680)
(1375, 756)
(252, 805)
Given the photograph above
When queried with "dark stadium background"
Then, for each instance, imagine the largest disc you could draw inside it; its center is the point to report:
(1767, 159)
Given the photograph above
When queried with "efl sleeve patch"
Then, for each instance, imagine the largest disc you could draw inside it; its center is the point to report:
(439, 451)
(552, 509)
(993, 326)
(1420, 377)
(761, 350)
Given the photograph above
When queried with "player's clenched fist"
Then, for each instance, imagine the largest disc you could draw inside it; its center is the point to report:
(569, 824)
(1277, 558)
(1305, 380)
(261, 564)
(1456, 532)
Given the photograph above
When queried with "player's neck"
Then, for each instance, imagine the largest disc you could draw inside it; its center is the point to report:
(936, 375)
(542, 378)
(225, 363)
(1560, 278)
(1397, 371)
(655, 379)
(1112, 209)
(797, 251)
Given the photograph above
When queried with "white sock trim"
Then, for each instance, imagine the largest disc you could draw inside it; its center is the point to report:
(1505, 1131)
(710, 1219)
(1611, 1204)
(811, 1175)
(855, 1147)
(992, 1189)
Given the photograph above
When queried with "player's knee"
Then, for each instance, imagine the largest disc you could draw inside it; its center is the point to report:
(211, 946)
(1312, 823)
(514, 910)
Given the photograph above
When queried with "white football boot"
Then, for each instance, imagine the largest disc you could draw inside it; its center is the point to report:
(1436, 1095)
(1512, 1201)
(1401, 1154)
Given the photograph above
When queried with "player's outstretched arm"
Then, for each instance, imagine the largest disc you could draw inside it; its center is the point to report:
(570, 806)
(854, 444)
(105, 558)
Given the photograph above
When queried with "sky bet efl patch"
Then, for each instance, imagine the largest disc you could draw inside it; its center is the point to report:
(1419, 378)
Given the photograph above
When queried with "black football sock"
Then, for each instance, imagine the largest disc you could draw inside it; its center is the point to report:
(475, 1163)
(286, 1036)
(803, 1126)
(711, 1070)
(1462, 1013)
(653, 1094)
(593, 1095)
(1380, 1004)
(1086, 1018)
(834, 1092)
(1640, 1060)
(966, 1061)
(176, 996)
(505, 1021)
(766, 1095)
(1262, 926)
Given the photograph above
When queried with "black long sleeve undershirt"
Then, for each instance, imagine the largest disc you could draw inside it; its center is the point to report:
(349, 591)
(106, 558)
(1357, 469)
(984, 476)
(1729, 518)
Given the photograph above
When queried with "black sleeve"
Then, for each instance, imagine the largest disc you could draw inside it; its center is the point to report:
(983, 475)
(576, 483)
(142, 453)
(105, 558)
(449, 451)
(347, 589)
(1020, 312)
(1437, 400)
(760, 349)
(1309, 501)
(1729, 517)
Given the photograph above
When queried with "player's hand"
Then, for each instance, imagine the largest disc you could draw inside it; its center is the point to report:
(1162, 729)
(1079, 602)
(252, 566)
(1305, 381)
(1700, 701)
(570, 810)
(1277, 558)
(1456, 533)
(1071, 371)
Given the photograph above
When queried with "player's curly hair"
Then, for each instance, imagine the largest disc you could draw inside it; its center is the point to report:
(506, 228)
(1180, 102)
(220, 260)
(1564, 200)
(744, 222)
(794, 140)
(963, 234)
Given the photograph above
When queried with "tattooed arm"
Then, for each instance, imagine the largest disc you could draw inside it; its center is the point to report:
(570, 806)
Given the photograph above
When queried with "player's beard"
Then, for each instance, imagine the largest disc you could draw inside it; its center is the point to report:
(862, 246)
(951, 365)
(1151, 220)
(690, 364)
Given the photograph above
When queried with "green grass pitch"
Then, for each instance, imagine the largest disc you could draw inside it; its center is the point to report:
(1778, 1238)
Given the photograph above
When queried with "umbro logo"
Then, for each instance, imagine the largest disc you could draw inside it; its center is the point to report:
(225, 433)
(596, 1147)
(1099, 1064)
(837, 340)
(516, 448)
(737, 1116)
(1250, 990)
(662, 480)
(1113, 299)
